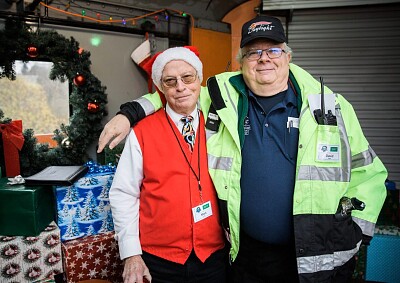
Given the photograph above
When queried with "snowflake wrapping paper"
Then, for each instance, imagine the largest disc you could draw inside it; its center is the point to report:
(31, 259)
(92, 257)
(83, 209)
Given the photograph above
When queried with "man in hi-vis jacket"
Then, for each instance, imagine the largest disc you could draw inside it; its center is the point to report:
(299, 187)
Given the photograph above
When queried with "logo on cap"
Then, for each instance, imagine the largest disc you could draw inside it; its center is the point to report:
(260, 26)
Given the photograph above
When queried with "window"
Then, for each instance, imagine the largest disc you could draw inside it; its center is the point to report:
(41, 103)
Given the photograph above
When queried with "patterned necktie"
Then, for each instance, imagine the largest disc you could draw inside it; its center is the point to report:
(187, 131)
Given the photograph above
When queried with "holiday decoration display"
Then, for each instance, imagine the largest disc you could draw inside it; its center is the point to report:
(84, 208)
(25, 211)
(31, 259)
(13, 140)
(68, 60)
(92, 257)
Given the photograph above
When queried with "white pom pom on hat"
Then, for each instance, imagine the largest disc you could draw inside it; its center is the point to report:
(175, 53)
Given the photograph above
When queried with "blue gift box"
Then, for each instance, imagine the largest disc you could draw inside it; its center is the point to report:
(382, 264)
(83, 209)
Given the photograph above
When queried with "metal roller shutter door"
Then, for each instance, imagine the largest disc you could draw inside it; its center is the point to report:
(357, 51)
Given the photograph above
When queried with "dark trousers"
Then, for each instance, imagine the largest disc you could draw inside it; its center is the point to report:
(344, 273)
(258, 262)
(213, 270)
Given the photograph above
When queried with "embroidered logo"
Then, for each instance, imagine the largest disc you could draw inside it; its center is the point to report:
(260, 26)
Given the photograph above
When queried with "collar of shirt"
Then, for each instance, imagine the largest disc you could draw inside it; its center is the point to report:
(176, 118)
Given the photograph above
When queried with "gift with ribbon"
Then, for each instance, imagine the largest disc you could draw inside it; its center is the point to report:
(13, 140)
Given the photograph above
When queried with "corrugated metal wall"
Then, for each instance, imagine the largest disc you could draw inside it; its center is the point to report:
(357, 51)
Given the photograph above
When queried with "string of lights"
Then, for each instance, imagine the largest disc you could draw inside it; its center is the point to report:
(109, 14)
(123, 20)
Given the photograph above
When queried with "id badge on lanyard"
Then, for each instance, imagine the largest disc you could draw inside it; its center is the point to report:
(202, 211)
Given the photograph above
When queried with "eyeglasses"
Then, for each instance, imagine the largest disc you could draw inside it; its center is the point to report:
(173, 81)
(272, 53)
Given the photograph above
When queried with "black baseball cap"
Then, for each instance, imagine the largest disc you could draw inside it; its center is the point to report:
(262, 27)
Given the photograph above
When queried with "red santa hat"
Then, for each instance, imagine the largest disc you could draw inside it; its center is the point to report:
(189, 54)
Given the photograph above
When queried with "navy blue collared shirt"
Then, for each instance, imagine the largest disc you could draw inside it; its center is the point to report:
(269, 165)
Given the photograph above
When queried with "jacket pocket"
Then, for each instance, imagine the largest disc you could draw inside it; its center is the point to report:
(328, 145)
(346, 235)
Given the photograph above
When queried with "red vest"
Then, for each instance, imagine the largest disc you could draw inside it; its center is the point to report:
(170, 190)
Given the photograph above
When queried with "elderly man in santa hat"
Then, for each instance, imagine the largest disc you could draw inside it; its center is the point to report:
(163, 168)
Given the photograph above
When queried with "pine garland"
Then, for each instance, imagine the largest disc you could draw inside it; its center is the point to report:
(68, 60)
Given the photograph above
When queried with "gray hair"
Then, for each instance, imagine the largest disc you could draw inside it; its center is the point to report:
(242, 51)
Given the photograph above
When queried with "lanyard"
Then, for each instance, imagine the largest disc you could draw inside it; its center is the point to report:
(187, 161)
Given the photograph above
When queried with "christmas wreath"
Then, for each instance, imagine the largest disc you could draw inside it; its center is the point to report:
(87, 99)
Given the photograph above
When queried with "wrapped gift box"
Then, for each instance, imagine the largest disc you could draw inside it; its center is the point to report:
(31, 259)
(83, 209)
(25, 211)
(383, 255)
(92, 257)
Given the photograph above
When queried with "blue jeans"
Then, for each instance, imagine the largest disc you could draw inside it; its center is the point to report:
(213, 270)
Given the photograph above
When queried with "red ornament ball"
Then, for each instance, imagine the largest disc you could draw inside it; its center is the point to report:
(79, 80)
(93, 107)
(32, 51)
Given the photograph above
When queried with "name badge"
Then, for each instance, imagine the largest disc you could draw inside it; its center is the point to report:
(328, 153)
(202, 211)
